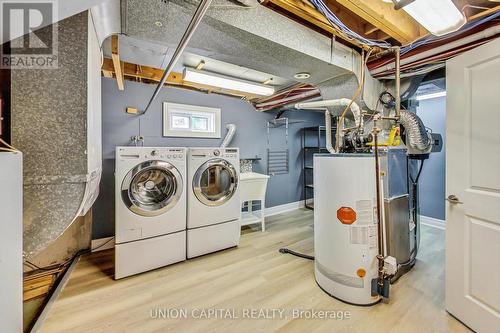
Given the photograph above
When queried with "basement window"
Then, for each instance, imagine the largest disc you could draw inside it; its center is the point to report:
(182, 120)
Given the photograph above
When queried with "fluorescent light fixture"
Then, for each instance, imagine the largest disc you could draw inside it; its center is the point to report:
(226, 82)
(439, 17)
(433, 95)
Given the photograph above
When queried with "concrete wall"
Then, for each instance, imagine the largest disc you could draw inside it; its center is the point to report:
(251, 138)
(432, 180)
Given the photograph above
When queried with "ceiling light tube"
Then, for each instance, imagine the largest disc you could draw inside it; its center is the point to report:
(226, 82)
(432, 95)
(439, 17)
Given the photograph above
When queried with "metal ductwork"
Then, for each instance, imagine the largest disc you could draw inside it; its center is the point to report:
(333, 105)
(58, 130)
(251, 36)
(417, 136)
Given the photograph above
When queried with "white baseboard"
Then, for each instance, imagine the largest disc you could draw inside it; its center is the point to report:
(432, 222)
(105, 243)
(101, 244)
(270, 211)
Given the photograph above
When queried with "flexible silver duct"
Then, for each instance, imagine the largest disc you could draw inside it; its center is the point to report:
(231, 129)
(417, 134)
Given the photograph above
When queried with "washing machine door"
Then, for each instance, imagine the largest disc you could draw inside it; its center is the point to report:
(152, 188)
(215, 182)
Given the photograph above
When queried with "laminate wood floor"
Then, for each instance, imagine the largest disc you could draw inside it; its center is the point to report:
(235, 282)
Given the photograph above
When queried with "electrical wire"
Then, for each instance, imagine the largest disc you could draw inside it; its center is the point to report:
(411, 261)
(427, 40)
(65, 263)
(348, 34)
(106, 242)
(387, 100)
(49, 267)
(433, 39)
(345, 31)
(9, 147)
(418, 173)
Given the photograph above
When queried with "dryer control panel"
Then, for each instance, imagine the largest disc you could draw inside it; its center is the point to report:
(204, 153)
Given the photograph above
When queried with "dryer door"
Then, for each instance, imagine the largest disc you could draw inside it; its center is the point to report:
(215, 182)
(152, 188)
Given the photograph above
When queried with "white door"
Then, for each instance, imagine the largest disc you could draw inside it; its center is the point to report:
(473, 187)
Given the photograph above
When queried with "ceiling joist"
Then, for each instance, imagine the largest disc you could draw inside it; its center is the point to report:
(368, 18)
(117, 64)
(306, 13)
(395, 23)
(141, 73)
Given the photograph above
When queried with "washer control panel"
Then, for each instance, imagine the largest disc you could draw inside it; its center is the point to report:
(176, 154)
(150, 153)
(231, 153)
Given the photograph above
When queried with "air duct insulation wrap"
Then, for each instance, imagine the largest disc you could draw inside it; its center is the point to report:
(417, 134)
(56, 118)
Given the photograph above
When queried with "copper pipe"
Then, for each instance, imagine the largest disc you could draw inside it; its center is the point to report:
(380, 230)
(398, 81)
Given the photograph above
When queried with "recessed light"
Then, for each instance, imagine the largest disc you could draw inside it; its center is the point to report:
(302, 76)
(159, 24)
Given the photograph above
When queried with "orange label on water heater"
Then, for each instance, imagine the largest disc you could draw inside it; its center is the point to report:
(346, 215)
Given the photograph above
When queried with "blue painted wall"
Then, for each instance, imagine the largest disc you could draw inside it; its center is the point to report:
(251, 138)
(432, 180)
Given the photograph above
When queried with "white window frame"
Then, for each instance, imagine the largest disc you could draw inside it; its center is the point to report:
(189, 111)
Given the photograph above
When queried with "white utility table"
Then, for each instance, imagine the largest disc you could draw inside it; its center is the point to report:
(253, 188)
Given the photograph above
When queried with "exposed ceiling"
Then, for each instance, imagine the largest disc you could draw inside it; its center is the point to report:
(242, 39)
(258, 40)
(374, 19)
(145, 53)
(254, 38)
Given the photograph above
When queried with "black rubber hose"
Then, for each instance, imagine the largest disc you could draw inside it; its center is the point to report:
(305, 256)
(419, 171)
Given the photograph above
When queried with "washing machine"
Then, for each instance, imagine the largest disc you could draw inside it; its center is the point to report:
(150, 208)
(213, 200)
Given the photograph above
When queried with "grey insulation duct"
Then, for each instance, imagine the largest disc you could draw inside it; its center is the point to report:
(417, 135)
(58, 130)
(231, 129)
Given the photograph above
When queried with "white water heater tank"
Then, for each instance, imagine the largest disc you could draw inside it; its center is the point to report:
(345, 226)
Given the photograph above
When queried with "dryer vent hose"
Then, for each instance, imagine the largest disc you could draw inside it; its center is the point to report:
(231, 129)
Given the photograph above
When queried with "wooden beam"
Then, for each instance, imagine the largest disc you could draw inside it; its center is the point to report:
(484, 13)
(130, 72)
(378, 35)
(370, 28)
(305, 12)
(117, 64)
(396, 23)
